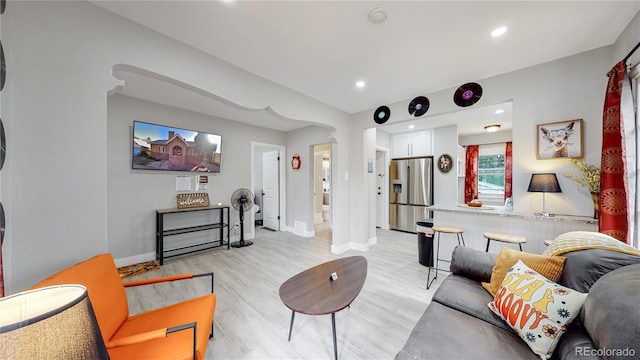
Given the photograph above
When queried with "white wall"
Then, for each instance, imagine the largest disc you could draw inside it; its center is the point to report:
(134, 195)
(60, 55)
(300, 182)
(486, 138)
(445, 141)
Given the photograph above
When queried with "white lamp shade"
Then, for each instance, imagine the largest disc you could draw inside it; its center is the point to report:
(55, 322)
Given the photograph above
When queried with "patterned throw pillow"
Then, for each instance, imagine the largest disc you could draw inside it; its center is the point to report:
(548, 266)
(538, 309)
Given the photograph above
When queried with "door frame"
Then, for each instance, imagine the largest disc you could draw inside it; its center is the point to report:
(385, 188)
(282, 182)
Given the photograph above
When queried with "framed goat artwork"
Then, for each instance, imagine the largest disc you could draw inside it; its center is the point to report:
(560, 140)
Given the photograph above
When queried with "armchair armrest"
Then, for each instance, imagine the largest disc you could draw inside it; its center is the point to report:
(167, 278)
(171, 278)
(473, 264)
(154, 334)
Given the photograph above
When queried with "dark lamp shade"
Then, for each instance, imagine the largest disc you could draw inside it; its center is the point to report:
(55, 322)
(547, 182)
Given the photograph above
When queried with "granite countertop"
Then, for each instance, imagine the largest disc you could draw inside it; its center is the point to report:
(501, 211)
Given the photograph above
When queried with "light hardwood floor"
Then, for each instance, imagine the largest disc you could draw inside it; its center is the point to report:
(252, 323)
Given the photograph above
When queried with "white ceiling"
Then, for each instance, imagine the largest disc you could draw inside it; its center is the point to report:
(321, 48)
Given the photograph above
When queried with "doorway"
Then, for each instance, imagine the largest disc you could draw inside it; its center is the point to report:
(382, 188)
(268, 184)
(322, 187)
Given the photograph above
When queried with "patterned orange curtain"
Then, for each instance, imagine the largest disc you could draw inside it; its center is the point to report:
(613, 218)
(508, 170)
(471, 173)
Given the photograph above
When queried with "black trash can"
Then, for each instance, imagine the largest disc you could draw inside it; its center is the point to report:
(425, 241)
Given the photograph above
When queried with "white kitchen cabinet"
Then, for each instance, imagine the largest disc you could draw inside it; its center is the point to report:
(417, 143)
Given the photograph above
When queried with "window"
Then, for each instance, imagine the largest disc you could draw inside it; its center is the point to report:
(634, 179)
(161, 149)
(491, 171)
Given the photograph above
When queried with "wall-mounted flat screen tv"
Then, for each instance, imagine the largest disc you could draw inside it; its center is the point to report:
(159, 147)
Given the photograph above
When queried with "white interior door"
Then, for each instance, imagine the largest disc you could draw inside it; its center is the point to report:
(270, 186)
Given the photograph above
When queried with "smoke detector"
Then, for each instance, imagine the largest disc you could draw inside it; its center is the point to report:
(377, 16)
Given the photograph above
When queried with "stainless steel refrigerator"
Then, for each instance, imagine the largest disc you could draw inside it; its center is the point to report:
(411, 191)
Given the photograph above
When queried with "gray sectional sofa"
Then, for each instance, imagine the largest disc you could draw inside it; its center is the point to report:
(458, 324)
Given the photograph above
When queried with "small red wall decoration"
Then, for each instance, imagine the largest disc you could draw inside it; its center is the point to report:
(296, 162)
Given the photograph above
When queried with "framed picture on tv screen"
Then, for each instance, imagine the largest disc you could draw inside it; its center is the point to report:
(159, 147)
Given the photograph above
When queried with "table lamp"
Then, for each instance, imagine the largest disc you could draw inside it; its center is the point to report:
(55, 322)
(544, 183)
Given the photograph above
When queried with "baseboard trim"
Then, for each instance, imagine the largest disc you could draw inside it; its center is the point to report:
(339, 249)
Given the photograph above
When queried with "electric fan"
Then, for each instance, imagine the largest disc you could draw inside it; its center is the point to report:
(242, 200)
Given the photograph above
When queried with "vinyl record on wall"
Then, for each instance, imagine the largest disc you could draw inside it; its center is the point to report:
(467, 94)
(2, 222)
(382, 114)
(3, 145)
(3, 67)
(419, 106)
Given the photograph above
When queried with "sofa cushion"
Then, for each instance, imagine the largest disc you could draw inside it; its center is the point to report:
(468, 296)
(611, 313)
(548, 266)
(108, 298)
(572, 343)
(471, 263)
(538, 309)
(445, 333)
(584, 267)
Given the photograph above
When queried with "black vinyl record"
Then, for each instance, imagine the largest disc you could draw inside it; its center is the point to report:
(419, 106)
(3, 145)
(467, 94)
(3, 67)
(382, 114)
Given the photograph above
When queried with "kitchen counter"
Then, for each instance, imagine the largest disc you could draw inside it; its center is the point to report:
(476, 221)
(501, 211)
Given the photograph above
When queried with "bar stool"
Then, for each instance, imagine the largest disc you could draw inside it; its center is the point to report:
(439, 230)
(508, 238)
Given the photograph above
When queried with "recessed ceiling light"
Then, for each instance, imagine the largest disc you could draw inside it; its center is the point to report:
(499, 111)
(499, 31)
(492, 128)
(411, 126)
(360, 84)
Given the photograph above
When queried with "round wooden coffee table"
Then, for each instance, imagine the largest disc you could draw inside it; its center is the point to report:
(314, 292)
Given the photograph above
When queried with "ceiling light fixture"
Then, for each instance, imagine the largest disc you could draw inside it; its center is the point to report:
(411, 126)
(499, 111)
(499, 31)
(360, 84)
(492, 128)
(377, 16)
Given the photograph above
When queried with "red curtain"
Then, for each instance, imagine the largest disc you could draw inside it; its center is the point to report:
(508, 170)
(1, 272)
(471, 173)
(613, 218)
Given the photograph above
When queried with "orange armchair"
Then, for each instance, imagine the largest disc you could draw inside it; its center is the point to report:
(178, 331)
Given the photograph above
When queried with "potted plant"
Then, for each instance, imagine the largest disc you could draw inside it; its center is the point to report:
(588, 179)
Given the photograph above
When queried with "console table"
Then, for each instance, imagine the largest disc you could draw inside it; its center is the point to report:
(161, 232)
